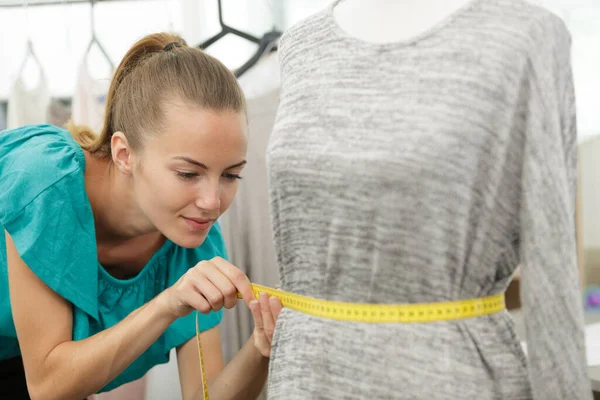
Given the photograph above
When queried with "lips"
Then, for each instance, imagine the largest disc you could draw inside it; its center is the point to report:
(198, 224)
(200, 220)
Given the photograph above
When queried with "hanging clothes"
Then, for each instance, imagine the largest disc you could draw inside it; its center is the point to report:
(246, 225)
(27, 106)
(89, 99)
(2, 117)
(59, 113)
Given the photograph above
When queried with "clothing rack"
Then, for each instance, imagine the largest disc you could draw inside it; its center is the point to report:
(33, 3)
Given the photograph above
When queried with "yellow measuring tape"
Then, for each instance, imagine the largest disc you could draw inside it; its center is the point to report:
(373, 313)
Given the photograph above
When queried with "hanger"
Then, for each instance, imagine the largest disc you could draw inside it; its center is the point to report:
(30, 53)
(225, 29)
(95, 40)
(266, 44)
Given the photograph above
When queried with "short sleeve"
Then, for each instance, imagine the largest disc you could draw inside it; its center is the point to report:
(550, 291)
(46, 212)
(183, 329)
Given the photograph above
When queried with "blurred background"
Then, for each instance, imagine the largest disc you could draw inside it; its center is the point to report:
(57, 54)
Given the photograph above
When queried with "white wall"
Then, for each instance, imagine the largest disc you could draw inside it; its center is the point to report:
(584, 23)
(60, 34)
(589, 156)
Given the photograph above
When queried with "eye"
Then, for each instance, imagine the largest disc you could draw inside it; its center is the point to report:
(231, 177)
(186, 175)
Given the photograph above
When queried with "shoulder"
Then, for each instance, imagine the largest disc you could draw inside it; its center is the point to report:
(39, 146)
(311, 25)
(33, 159)
(46, 211)
(544, 42)
(304, 34)
(521, 24)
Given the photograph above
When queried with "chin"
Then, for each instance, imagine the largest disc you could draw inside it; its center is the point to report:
(189, 241)
(187, 235)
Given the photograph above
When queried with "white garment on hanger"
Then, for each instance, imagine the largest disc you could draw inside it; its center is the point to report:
(89, 99)
(2, 118)
(27, 106)
(58, 113)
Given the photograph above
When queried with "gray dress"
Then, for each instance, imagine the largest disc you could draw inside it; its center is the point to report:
(425, 171)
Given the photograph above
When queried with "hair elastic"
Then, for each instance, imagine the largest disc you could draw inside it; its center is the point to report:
(172, 45)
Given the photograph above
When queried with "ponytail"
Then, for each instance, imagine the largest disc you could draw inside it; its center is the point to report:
(156, 68)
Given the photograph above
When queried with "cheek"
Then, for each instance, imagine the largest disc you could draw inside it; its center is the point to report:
(228, 192)
(159, 190)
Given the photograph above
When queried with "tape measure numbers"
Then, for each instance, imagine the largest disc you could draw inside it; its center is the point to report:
(373, 313)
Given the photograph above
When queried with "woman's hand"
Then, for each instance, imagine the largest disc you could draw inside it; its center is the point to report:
(214, 284)
(265, 312)
(209, 286)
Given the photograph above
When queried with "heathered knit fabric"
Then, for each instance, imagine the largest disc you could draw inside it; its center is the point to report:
(423, 171)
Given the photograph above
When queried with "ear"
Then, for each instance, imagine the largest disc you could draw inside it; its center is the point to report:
(121, 153)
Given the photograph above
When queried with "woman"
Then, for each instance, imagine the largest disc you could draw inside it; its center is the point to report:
(112, 240)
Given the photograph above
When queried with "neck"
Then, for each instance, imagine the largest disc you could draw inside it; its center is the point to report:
(389, 9)
(382, 21)
(116, 215)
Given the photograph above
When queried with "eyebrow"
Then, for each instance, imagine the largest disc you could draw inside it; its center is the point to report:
(203, 166)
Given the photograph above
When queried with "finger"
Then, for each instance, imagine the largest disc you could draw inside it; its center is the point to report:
(256, 314)
(223, 284)
(263, 346)
(206, 288)
(260, 340)
(276, 306)
(267, 316)
(237, 277)
(198, 302)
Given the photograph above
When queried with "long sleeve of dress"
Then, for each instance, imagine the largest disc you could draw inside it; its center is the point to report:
(551, 294)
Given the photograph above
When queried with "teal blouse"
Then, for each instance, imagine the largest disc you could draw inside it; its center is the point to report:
(45, 209)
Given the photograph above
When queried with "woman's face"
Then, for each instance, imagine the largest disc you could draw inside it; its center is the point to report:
(188, 175)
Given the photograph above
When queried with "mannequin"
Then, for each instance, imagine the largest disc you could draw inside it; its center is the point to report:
(419, 156)
(383, 21)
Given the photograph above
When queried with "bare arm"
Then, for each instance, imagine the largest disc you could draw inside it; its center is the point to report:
(243, 378)
(58, 367)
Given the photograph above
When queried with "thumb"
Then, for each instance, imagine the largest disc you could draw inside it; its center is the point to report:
(239, 279)
(246, 292)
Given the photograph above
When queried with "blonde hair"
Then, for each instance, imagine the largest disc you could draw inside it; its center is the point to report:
(150, 74)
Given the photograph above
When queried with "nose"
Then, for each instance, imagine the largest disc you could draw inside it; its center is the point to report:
(209, 197)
